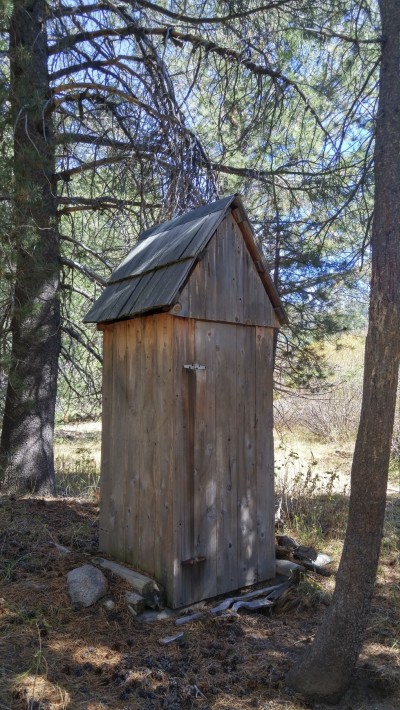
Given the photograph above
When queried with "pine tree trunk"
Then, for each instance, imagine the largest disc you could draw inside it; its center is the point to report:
(325, 671)
(26, 448)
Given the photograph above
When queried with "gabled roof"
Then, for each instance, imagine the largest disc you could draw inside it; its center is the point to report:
(152, 275)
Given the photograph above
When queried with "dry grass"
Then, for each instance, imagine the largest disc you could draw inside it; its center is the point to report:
(77, 459)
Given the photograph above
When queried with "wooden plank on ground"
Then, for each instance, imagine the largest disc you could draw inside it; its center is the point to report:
(273, 593)
(148, 588)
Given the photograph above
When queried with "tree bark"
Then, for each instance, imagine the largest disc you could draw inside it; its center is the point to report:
(26, 448)
(325, 671)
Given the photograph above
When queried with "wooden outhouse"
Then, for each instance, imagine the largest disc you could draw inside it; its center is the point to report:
(187, 491)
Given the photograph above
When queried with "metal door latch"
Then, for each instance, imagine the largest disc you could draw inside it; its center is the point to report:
(193, 561)
(194, 366)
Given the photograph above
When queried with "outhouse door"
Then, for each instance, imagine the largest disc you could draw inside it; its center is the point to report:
(221, 523)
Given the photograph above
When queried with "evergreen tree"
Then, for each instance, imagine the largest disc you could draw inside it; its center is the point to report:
(326, 669)
(124, 115)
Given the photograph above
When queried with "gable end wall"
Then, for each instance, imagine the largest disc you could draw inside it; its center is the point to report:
(224, 285)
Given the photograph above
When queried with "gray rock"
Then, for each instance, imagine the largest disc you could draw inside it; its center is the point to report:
(86, 585)
(109, 604)
(286, 567)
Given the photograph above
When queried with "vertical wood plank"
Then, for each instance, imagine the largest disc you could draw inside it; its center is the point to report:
(120, 438)
(207, 304)
(150, 423)
(116, 449)
(134, 441)
(257, 307)
(184, 451)
(265, 453)
(226, 457)
(149, 446)
(225, 285)
(205, 484)
(247, 480)
(222, 273)
(164, 468)
(106, 440)
(238, 248)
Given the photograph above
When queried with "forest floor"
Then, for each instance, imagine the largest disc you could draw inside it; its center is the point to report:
(54, 656)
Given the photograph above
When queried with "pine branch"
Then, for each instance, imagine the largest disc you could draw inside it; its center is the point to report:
(70, 41)
(98, 140)
(84, 270)
(117, 62)
(72, 11)
(196, 41)
(66, 175)
(98, 95)
(327, 34)
(80, 204)
(85, 247)
(73, 333)
(79, 291)
(190, 19)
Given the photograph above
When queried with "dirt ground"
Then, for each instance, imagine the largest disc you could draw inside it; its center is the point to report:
(53, 656)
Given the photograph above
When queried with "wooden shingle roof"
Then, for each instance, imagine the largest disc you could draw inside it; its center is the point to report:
(153, 273)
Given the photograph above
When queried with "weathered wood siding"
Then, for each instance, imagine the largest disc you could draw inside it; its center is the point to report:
(225, 505)
(224, 285)
(137, 476)
(187, 454)
(187, 457)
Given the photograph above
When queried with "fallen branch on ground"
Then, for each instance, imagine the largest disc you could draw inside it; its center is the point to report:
(263, 597)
